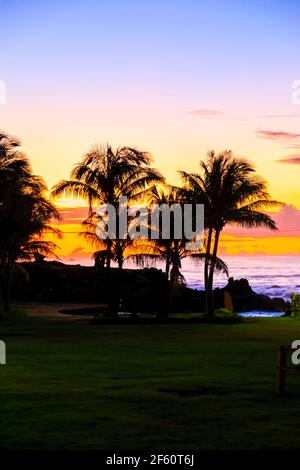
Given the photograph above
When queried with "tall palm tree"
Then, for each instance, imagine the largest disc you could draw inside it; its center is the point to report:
(232, 193)
(14, 168)
(120, 249)
(172, 249)
(25, 212)
(104, 175)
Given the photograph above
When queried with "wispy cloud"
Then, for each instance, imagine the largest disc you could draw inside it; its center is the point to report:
(206, 112)
(72, 215)
(276, 135)
(290, 159)
(292, 147)
(279, 116)
(287, 220)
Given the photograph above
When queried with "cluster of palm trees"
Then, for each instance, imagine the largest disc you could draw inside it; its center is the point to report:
(229, 188)
(25, 214)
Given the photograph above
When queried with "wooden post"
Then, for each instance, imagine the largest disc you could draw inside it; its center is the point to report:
(281, 370)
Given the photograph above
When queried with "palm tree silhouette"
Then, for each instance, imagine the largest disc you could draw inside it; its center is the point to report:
(105, 175)
(172, 249)
(232, 193)
(120, 249)
(25, 212)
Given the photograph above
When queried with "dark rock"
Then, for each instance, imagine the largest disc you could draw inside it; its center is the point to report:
(239, 287)
(244, 299)
(51, 281)
(133, 290)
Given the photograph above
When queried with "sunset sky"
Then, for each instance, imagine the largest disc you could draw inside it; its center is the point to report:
(175, 78)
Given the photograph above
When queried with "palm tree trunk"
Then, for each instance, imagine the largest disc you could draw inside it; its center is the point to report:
(112, 308)
(175, 265)
(6, 293)
(206, 268)
(168, 266)
(210, 305)
(118, 286)
(170, 296)
(166, 302)
(120, 261)
(167, 298)
(108, 254)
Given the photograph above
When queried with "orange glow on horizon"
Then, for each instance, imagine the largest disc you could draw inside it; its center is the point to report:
(233, 241)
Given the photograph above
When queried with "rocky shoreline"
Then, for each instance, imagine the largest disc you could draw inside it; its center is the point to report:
(141, 290)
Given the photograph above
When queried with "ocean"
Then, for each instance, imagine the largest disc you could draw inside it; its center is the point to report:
(272, 275)
(275, 276)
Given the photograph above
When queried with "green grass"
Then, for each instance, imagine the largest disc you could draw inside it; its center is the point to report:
(73, 386)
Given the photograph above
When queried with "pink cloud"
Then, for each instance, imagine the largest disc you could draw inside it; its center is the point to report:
(280, 116)
(290, 159)
(276, 135)
(287, 220)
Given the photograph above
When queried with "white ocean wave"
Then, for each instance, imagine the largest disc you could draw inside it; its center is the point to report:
(274, 276)
(261, 313)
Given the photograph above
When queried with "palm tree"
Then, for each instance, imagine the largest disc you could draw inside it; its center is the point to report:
(25, 212)
(232, 193)
(174, 250)
(120, 249)
(103, 176)
(25, 227)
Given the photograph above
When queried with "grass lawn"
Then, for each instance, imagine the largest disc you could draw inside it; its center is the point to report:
(73, 386)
